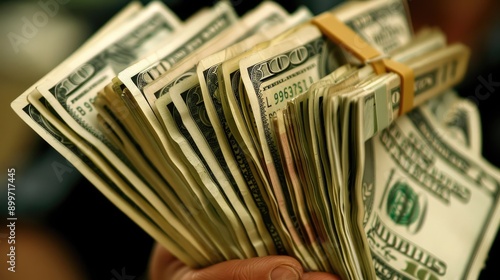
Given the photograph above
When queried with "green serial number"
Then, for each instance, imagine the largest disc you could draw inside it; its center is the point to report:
(292, 90)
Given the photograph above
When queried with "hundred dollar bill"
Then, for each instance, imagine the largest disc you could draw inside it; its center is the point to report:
(279, 73)
(429, 195)
(303, 207)
(434, 73)
(152, 22)
(311, 150)
(233, 155)
(425, 41)
(331, 223)
(253, 22)
(209, 71)
(195, 35)
(119, 19)
(338, 230)
(71, 95)
(98, 179)
(371, 106)
(303, 59)
(264, 16)
(307, 123)
(309, 52)
(296, 149)
(187, 99)
(112, 108)
(381, 105)
(224, 202)
(229, 82)
(381, 110)
(40, 125)
(189, 208)
(383, 24)
(41, 110)
(186, 68)
(29, 114)
(188, 102)
(296, 65)
(200, 31)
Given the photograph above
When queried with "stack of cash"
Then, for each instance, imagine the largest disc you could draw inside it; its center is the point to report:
(227, 137)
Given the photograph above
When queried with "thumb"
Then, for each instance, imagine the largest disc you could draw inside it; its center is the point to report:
(164, 266)
(270, 267)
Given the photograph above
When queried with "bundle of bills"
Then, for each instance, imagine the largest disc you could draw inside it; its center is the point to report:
(226, 137)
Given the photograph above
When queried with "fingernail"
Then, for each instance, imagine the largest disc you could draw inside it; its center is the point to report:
(285, 272)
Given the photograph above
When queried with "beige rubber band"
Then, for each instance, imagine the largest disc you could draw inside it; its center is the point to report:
(407, 84)
(341, 34)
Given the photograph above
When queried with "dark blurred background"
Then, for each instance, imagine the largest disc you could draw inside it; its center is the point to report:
(67, 229)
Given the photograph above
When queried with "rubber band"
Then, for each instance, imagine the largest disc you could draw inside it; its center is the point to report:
(339, 33)
(407, 84)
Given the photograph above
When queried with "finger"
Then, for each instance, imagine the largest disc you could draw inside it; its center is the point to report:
(268, 268)
(319, 276)
(164, 266)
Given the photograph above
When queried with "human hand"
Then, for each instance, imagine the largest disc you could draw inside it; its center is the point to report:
(164, 266)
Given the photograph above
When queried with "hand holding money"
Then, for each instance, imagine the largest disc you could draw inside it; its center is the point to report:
(232, 139)
(164, 266)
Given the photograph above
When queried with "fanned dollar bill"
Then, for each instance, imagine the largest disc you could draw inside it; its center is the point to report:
(201, 30)
(213, 189)
(427, 182)
(159, 214)
(232, 153)
(72, 93)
